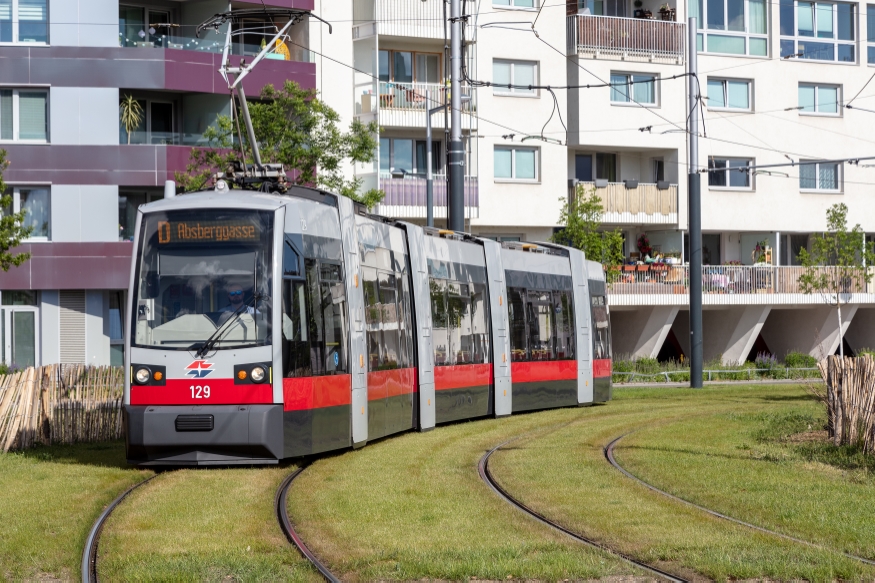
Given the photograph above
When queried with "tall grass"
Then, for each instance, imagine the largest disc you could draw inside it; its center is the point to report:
(796, 366)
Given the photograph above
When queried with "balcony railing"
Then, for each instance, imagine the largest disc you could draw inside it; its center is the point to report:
(404, 18)
(664, 280)
(213, 42)
(406, 197)
(627, 38)
(644, 204)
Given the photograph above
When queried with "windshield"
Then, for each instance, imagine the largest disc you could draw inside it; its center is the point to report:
(200, 270)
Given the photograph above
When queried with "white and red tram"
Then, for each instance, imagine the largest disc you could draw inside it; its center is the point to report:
(268, 326)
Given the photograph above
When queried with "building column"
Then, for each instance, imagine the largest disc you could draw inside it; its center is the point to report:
(861, 331)
(640, 333)
(730, 334)
(812, 330)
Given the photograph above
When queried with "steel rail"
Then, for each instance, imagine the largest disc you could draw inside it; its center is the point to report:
(89, 553)
(288, 529)
(486, 476)
(609, 455)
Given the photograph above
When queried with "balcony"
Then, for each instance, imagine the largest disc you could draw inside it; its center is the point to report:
(405, 197)
(405, 104)
(646, 204)
(214, 42)
(630, 39)
(402, 18)
(657, 284)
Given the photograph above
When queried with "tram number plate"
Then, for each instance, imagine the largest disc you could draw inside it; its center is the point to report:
(200, 392)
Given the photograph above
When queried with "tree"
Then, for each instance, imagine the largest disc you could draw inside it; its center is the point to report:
(838, 263)
(203, 163)
(12, 227)
(130, 114)
(295, 128)
(581, 218)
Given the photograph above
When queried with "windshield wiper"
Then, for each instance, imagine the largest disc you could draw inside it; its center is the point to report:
(217, 335)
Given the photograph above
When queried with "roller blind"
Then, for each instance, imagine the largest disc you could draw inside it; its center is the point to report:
(72, 326)
(32, 10)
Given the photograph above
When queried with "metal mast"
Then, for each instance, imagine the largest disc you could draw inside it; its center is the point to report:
(695, 210)
(456, 170)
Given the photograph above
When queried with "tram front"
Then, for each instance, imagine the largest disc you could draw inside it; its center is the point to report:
(199, 384)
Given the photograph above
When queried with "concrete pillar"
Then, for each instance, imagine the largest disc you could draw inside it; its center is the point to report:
(814, 330)
(640, 333)
(861, 332)
(730, 334)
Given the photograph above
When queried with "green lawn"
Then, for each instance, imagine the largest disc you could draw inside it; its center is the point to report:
(564, 475)
(202, 525)
(49, 498)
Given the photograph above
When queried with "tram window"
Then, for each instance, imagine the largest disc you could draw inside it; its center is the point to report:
(440, 332)
(539, 312)
(405, 321)
(564, 313)
(373, 317)
(389, 310)
(601, 339)
(459, 316)
(291, 261)
(479, 323)
(516, 310)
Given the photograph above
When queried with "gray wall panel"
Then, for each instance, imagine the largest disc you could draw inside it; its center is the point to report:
(98, 213)
(98, 110)
(92, 23)
(96, 342)
(64, 115)
(50, 350)
(66, 226)
(63, 23)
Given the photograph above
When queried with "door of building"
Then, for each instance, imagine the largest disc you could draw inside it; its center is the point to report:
(20, 334)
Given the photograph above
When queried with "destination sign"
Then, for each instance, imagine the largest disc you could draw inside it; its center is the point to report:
(207, 232)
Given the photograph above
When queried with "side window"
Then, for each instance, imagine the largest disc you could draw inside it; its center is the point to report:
(296, 342)
(332, 309)
(539, 312)
(440, 331)
(563, 309)
(389, 311)
(291, 261)
(516, 311)
(373, 317)
(459, 316)
(405, 320)
(601, 340)
(480, 323)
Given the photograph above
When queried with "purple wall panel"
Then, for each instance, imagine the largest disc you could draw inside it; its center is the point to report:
(71, 266)
(302, 4)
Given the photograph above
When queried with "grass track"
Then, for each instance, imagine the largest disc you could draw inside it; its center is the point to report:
(202, 524)
(564, 475)
(49, 498)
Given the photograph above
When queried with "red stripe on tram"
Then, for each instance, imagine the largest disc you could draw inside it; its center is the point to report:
(549, 370)
(461, 376)
(383, 384)
(304, 393)
(213, 391)
(601, 368)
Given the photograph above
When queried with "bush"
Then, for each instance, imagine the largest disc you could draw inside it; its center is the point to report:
(796, 359)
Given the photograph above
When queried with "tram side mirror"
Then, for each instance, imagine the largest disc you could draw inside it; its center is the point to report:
(151, 285)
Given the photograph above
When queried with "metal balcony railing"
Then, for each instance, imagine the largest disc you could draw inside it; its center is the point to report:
(645, 203)
(625, 37)
(406, 197)
(406, 18)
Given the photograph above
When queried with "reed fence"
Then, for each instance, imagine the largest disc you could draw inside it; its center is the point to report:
(850, 400)
(60, 404)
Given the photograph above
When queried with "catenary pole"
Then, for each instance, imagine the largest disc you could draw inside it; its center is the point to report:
(429, 178)
(456, 198)
(695, 212)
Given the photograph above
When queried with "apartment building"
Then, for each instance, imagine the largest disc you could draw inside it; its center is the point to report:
(775, 79)
(65, 66)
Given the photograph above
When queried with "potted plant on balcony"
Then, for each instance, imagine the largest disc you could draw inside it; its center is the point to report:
(666, 12)
(639, 13)
(130, 114)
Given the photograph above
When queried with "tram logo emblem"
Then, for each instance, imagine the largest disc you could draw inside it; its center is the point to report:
(199, 369)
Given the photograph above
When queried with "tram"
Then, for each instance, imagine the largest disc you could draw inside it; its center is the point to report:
(265, 326)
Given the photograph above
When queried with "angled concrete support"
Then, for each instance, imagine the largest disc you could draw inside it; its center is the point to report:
(730, 334)
(812, 330)
(640, 333)
(861, 332)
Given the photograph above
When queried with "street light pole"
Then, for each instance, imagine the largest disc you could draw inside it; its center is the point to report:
(695, 209)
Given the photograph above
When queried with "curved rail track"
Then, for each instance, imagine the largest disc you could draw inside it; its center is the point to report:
(486, 476)
(288, 529)
(89, 554)
(609, 455)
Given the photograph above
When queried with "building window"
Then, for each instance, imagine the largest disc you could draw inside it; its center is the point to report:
(823, 31)
(409, 155)
(819, 176)
(633, 88)
(19, 329)
(37, 204)
(729, 94)
(819, 99)
(516, 3)
(116, 332)
(602, 7)
(519, 73)
(515, 163)
(156, 125)
(128, 203)
(870, 33)
(24, 115)
(24, 21)
(734, 27)
(729, 173)
(409, 67)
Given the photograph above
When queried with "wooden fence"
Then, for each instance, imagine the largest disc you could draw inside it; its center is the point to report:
(850, 400)
(60, 403)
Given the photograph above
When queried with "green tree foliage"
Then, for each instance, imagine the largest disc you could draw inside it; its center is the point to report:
(837, 264)
(294, 128)
(12, 229)
(581, 219)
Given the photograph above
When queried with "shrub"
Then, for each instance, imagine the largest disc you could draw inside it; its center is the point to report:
(796, 359)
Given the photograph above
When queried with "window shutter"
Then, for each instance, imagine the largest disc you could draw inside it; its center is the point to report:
(5, 9)
(32, 10)
(72, 326)
(32, 115)
(5, 113)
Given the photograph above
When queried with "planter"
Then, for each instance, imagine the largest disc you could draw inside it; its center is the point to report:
(601, 182)
(630, 184)
(663, 185)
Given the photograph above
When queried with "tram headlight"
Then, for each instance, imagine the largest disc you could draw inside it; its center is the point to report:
(142, 375)
(257, 374)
